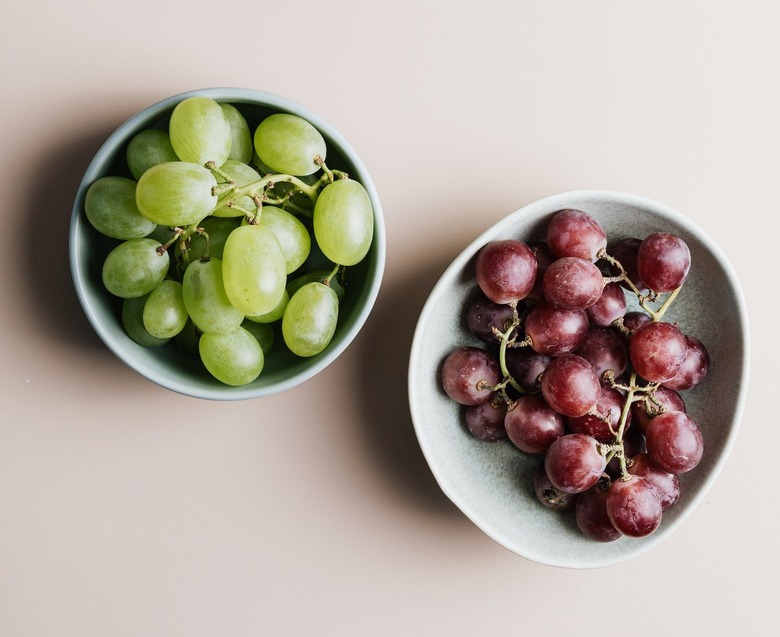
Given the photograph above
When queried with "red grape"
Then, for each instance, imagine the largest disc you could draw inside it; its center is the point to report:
(609, 307)
(574, 233)
(506, 270)
(674, 442)
(548, 495)
(591, 515)
(486, 421)
(605, 350)
(610, 406)
(572, 283)
(467, 375)
(667, 485)
(553, 331)
(635, 319)
(694, 368)
(526, 366)
(663, 261)
(633, 506)
(657, 351)
(532, 425)
(570, 386)
(625, 252)
(662, 399)
(574, 463)
(482, 315)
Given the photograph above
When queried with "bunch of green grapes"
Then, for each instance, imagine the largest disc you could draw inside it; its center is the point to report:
(215, 228)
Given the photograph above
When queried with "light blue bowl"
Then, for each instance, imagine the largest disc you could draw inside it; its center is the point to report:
(492, 483)
(169, 366)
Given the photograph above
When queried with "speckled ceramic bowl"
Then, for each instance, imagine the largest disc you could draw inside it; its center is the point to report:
(492, 483)
(168, 365)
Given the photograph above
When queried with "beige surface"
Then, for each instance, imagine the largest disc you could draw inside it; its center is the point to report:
(127, 510)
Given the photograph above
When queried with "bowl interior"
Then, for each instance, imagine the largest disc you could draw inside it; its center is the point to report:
(168, 365)
(492, 483)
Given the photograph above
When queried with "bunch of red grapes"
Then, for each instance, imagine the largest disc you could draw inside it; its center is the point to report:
(568, 371)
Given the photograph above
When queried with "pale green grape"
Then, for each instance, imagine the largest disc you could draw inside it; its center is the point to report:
(133, 322)
(234, 358)
(135, 268)
(204, 296)
(149, 148)
(240, 138)
(176, 193)
(289, 144)
(310, 319)
(317, 276)
(273, 315)
(111, 209)
(164, 313)
(263, 332)
(218, 231)
(200, 132)
(243, 175)
(344, 222)
(292, 235)
(254, 270)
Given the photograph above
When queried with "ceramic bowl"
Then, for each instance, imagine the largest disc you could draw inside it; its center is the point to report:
(168, 365)
(492, 483)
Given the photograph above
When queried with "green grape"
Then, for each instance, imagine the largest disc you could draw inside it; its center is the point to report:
(135, 268)
(164, 314)
(273, 315)
(243, 175)
(240, 138)
(111, 209)
(316, 276)
(254, 270)
(200, 132)
(263, 332)
(344, 222)
(176, 193)
(218, 230)
(149, 148)
(204, 296)
(289, 144)
(309, 321)
(234, 358)
(133, 322)
(292, 235)
(163, 234)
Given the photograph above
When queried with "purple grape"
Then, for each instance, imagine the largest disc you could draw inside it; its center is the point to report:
(674, 442)
(657, 351)
(633, 506)
(635, 319)
(468, 374)
(482, 315)
(553, 331)
(526, 366)
(591, 515)
(662, 399)
(573, 463)
(605, 350)
(571, 283)
(663, 261)
(548, 495)
(610, 406)
(574, 233)
(667, 485)
(694, 368)
(486, 421)
(570, 386)
(532, 425)
(506, 270)
(609, 307)
(625, 252)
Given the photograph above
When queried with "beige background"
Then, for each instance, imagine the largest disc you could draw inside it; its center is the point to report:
(127, 510)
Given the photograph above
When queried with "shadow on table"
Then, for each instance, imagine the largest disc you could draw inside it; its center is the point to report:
(50, 195)
(383, 376)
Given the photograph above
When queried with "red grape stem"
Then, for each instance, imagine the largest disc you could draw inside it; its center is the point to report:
(656, 315)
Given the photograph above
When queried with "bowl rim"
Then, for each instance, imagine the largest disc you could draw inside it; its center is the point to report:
(550, 204)
(236, 95)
